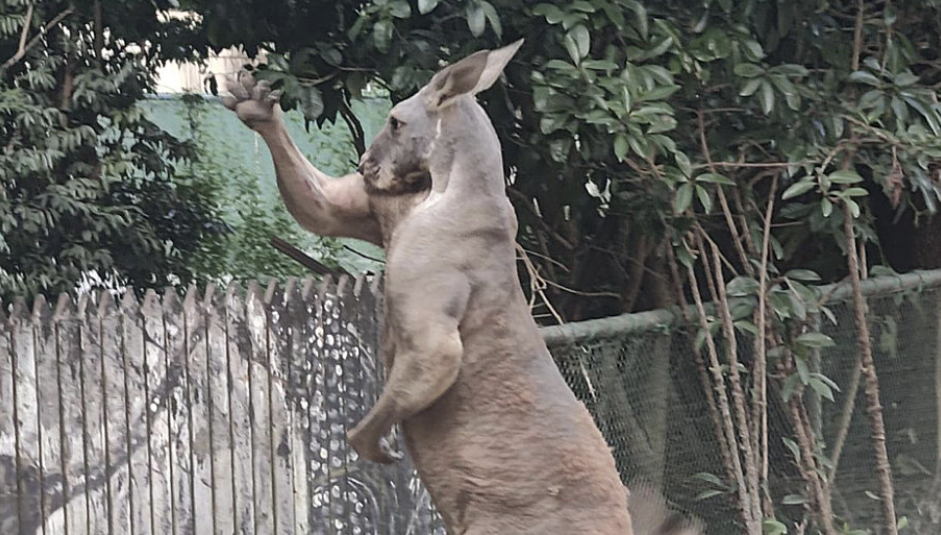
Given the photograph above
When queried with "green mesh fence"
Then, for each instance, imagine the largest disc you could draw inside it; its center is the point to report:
(638, 376)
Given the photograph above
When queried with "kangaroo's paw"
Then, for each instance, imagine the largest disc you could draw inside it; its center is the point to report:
(371, 449)
(253, 101)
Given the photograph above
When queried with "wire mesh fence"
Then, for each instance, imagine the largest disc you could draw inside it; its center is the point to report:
(638, 377)
(227, 413)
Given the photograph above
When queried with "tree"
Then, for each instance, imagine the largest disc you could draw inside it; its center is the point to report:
(88, 181)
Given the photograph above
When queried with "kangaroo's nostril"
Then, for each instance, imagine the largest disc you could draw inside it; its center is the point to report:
(360, 168)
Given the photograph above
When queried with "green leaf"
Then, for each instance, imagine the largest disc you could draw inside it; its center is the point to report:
(844, 176)
(803, 371)
(551, 12)
(311, 102)
(710, 478)
(795, 499)
(753, 50)
(382, 35)
(640, 15)
(476, 19)
(659, 49)
(492, 17)
(747, 326)
(790, 69)
(427, 6)
(855, 192)
(704, 198)
(766, 97)
(748, 70)
(854, 208)
(864, 77)
(771, 526)
(620, 147)
(793, 448)
(400, 9)
(750, 87)
(684, 198)
(798, 188)
(826, 207)
(815, 340)
(802, 275)
(790, 383)
(709, 493)
(582, 39)
(742, 286)
(583, 6)
(821, 388)
(662, 124)
(714, 178)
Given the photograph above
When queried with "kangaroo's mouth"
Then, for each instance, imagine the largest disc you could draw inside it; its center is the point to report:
(398, 182)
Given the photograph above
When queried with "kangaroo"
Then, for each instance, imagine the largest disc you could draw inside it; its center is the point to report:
(498, 438)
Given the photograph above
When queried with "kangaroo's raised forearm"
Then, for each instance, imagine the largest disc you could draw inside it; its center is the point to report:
(321, 204)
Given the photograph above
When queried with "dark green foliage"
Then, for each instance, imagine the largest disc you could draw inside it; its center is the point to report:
(88, 190)
(600, 122)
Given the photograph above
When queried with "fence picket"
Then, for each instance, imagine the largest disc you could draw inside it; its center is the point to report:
(318, 473)
(9, 497)
(136, 415)
(69, 359)
(93, 398)
(282, 417)
(114, 423)
(178, 402)
(295, 368)
(158, 388)
(47, 402)
(200, 444)
(255, 335)
(219, 430)
(239, 406)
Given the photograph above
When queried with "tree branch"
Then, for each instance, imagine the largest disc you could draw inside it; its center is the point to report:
(21, 53)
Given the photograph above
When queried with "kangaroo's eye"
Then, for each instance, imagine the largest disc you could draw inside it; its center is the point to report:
(394, 123)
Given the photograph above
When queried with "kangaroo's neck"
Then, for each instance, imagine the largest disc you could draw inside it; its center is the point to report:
(390, 209)
(467, 160)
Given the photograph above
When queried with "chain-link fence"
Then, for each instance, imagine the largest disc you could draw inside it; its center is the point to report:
(638, 376)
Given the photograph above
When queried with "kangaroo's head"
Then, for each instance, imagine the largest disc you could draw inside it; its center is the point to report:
(419, 129)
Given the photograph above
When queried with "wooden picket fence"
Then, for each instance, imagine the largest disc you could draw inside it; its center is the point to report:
(219, 413)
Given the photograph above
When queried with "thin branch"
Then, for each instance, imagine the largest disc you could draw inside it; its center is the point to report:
(537, 284)
(873, 405)
(730, 223)
(302, 258)
(718, 384)
(761, 354)
(36, 38)
(858, 34)
(27, 21)
(738, 393)
(758, 165)
(725, 449)
(527, 203)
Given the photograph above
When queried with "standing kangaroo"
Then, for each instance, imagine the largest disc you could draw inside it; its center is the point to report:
(497, 436)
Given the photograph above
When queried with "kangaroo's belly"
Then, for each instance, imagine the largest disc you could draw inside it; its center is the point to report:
(509, 450)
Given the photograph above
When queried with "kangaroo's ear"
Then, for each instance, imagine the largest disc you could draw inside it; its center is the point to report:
(471, 75)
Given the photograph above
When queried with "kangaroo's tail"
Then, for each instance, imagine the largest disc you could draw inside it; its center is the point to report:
(650, 514)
